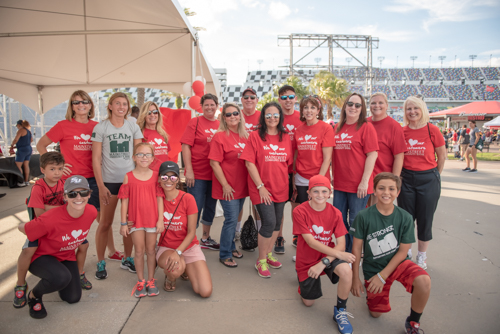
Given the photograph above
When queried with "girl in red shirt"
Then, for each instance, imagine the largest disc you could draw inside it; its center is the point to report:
(138, 193)
(421, 174)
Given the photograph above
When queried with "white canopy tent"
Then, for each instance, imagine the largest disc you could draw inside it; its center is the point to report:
(50, 48)
(494, 122)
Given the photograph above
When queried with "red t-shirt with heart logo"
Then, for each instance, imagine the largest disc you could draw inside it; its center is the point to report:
(322, 225)
(292, 123)
(391, 141)
(161, 148)
(420, 144)
(252, 121)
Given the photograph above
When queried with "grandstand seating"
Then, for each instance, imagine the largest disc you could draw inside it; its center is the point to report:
(484, 95)
(413, 74)
(434, 91)
(357, 89)
(380, 73)
(460, 92)
(451, 74)
(384, 89)
(432, 74)
(491, 73)
(473, 73)
(397, 74)
(403, 91)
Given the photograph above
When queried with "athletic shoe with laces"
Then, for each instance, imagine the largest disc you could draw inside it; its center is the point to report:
(37, 310)
(422, 261)
(84, 282)
(412, 327)
(20, 295)
(152, 288)
(279, 247)
(263, 268)
(139, 289)
(209, 244)
(21, 184)
(128, 264)
(340, 317)
(101, 272)
(473, 170)
(467, 169)
(272, 261)
(294, 241)
(117, 256)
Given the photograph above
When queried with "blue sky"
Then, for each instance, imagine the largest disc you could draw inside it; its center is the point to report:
(240, 32)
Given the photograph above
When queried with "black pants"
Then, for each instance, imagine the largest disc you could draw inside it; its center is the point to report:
(271, 216)
(420, 192)
(63, 277)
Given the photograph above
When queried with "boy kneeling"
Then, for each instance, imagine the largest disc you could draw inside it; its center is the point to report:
(315, 223)
(386, 233)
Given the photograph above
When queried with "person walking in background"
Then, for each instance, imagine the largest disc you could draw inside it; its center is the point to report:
(23, 140)
(472, 150)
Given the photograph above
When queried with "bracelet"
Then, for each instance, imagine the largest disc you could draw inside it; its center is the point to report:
(123, 224)
(380, 277)
(260, 186)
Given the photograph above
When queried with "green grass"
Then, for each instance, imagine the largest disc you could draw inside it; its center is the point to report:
(486, 156)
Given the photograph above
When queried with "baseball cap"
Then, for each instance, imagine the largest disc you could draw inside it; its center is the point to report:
(319, 181)
(249, 89)
(169, 166)
(75, 182)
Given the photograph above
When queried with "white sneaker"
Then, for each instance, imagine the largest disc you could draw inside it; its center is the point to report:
(422, 261)
(410, 255)
(21, 184)
(27, 183)
(294, 258)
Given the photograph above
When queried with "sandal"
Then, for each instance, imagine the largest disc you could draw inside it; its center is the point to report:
(227, 262)
(237, 254)
(185, 276)
(167, 284)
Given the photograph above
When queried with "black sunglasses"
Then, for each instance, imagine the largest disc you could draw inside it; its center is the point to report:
(153, 112)
(275, 115)
(82, 193)
(284, 97)
(251, 97)
(75, 103)
(173, 178)
(234, 113)
(357, 105)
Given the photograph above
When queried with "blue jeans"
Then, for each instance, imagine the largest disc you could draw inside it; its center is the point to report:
(348, 202)
(231, 212)
(202, 192)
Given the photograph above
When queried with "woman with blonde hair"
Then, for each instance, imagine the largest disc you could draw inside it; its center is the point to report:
(23, 140)
(421, 174)
(150, 121)
(229, 171)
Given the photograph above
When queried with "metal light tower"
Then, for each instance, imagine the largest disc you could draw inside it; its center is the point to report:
(413, 58)
(348, 60)
(381, 59)
(430, 57)
(317, 60)
(472, 57)
(442, 58)
(260, 61)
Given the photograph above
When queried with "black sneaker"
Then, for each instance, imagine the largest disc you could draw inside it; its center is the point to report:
(294, 241)
(473, 170)
(37, 310)
(20, 295)
(84, 282)
(467, 169)
(101, 272)
(209, 244)
(279, 247)
(128, 264)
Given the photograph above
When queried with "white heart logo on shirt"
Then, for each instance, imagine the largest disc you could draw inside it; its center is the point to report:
(248, 126)
(274, 147)
(318, 229)
(85, 233)
(307, 137)
(213, 131)
(242, 145)
(167, 215)
(76, 233)
(343, 135)
(85, 137)
(290, 127)
(412, 141)
(158, 141)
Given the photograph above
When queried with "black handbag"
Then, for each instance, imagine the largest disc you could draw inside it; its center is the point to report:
(249, 234)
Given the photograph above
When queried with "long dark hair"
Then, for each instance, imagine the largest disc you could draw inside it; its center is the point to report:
(262, 121)
(343, 116)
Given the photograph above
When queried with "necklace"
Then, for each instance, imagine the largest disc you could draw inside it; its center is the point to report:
(54, 193)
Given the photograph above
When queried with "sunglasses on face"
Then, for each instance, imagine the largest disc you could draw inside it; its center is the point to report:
(142, 155)
(284, 97)
(75, 103)
(153, 112)
(251, 97)
(82, 193)
(357, 105)
(276, 115)
(234, 113)
(172, 178)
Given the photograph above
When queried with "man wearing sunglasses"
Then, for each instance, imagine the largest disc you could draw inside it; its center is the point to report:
(249, 101)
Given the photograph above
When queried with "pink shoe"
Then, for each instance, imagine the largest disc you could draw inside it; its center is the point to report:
(118, 256)
(139, 289)
(262, 269)
(273, 262)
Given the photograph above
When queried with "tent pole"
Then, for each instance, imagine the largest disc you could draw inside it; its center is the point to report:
(5, 127)
(40, 108)
(193, 68)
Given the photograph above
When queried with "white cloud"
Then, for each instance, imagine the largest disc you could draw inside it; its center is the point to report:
(490, 52)
(251, 3)
(279, 10)
(384, 35)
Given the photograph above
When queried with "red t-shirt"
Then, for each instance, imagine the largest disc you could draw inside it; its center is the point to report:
(391, 141)
(161, 148)
(421, 154)
(179, 227)
(252, 121)
(198, 135)
(309, 141)
(291, 124)
(58, 233)
(272, 158)
(42, 194)
(323, 226)
(349, 156)
(227, 150)
(76, 145)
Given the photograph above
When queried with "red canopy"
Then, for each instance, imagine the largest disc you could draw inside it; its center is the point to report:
(472, 109)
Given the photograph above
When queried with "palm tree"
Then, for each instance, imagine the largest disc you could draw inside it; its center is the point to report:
(331, 90)
(188, 12)
(115, 90)
(269, 97)
(141, 95)
(297, 83)
(178, 98)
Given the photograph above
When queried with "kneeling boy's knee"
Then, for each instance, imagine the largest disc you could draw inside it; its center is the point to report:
(344, 271)
(423, 282)
(375, 314)
(308, 302)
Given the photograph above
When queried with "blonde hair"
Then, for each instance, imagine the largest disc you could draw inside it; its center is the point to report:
(114, 97)
(141, 120)
(379, 94)
(242, 132)
(136, 147)
(418, 102)
(70, 113)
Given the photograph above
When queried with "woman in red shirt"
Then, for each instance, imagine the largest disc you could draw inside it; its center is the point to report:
(354, 157)
(267, 155)
(421, 174)
(229, 171)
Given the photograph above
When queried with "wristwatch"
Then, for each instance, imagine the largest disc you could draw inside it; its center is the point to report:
(178, 252)
(326, 262)
(260, 186)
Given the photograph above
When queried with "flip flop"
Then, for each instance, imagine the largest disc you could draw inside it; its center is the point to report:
(171, 283)
(227, 262)
(185, 276)
(237, 254)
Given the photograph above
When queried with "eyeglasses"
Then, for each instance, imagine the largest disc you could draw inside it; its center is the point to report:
(357, 105)
(234, 113)
(172, 178)
(75, 103)
(251, 97)
(82, 193)
(276, 115)
(153, 112)
(142, 155)
(284, 97)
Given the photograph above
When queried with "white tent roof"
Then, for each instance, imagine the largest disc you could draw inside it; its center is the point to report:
(55, 47)
(494, 122)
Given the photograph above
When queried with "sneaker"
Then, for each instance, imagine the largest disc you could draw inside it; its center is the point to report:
(294, 258)
(139, 289)
(473, 170)
(467, 169)
(209, 244)
(101, 272)
(117, 256)
(84, 282)
(273, 262)
(410, 255)
(21, 184)
(20, 295)
(262, 268)
(27, 183)
(128, 264)
(340, 317)
(422, 261)
(237, 236)
(37, 310)
(412, 327)
(152, 288)
(294, 241)
(279, 247)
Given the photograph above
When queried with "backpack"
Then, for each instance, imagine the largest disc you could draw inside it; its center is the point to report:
(249, 234)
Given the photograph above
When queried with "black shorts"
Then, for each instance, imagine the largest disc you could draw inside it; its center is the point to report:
(290, 188)
(114, 188)
(302, 195)
(310, 288)
(94, 196)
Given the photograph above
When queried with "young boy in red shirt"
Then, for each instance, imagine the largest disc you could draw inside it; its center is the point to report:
(385, 232)
(316, 223)
(46, 194)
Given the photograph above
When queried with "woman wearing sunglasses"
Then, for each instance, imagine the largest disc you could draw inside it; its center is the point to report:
(354, 157)
(267, 155)
(229, 171)
(59, 232)
(179, 253)
(151, 123)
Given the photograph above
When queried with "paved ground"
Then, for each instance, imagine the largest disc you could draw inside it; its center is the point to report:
(464, 263)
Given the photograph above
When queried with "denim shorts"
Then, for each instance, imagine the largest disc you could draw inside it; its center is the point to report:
(23, 153)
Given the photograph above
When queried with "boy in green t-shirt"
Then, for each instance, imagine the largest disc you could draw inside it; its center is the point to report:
(385, 232)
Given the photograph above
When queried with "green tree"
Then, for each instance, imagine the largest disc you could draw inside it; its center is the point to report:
(115, 90)
(269, 97)
(178, 98)
(300, 88)
(331, 90)
(188, 12)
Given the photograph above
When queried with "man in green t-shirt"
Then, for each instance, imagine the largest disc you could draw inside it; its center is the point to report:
(385, 232)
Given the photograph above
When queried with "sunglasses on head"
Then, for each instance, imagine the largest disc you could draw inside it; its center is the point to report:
(357, 105)
(82, 193)
(75, 103)
(275, 115)
(251, 97)
(172, 178)
(142, 155)
(234, 113)
(284, 97)
(153, 112)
